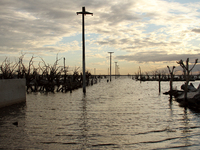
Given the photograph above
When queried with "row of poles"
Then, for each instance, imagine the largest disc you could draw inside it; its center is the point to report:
(83, 13)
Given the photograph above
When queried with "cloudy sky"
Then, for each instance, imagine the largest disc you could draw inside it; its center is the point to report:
(150, 34)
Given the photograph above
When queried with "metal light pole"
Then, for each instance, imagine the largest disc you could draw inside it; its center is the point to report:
(64, 71)
(94, 71)
(118, 70)
(110, 63)
(83, 42)
(115, 69)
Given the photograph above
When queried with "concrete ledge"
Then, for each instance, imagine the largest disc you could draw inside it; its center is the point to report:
(12, 91)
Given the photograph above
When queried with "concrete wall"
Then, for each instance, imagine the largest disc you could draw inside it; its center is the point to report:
(12, 91)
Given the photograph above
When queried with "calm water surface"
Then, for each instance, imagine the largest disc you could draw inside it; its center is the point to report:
(122, 114)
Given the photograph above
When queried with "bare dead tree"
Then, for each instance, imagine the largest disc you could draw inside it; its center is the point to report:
(45, 76)
(171, 72)
(21, 68)
(7, 69)
(187, 76)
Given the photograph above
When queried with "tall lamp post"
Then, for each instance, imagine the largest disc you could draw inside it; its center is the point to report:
(110, 63)
(83, 42)
(115, 69)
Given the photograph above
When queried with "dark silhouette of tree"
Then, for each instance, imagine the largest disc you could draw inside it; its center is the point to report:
(187, 74)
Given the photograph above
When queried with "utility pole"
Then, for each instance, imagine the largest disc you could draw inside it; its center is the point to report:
(64, 75)
(94, 71)
(110, 63)
(83, 42)
(64, 71)
(115, 69)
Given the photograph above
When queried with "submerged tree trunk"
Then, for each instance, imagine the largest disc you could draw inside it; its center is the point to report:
(171, 86)
(171, 80)
(186, 86)
(187, 71)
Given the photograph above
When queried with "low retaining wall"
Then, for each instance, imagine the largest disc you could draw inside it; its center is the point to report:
(12, 91)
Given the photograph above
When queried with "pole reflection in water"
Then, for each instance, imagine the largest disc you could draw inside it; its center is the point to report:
(186, 128)
(84, 123)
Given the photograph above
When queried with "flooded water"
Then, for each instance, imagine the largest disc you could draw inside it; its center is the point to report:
(122, 114)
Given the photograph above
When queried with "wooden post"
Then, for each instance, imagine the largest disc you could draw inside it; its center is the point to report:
(159, 84)
(140, 72)
(83, 42)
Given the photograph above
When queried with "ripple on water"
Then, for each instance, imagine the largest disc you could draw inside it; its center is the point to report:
(123, 114)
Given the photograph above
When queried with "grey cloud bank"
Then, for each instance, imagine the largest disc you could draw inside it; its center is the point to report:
(140, 31)
(155, 56)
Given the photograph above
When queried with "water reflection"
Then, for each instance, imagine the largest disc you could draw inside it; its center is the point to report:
(13, 112)
(84, 123)
(12, 121)
(186, 129)
(171, 115)
(122, 114)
